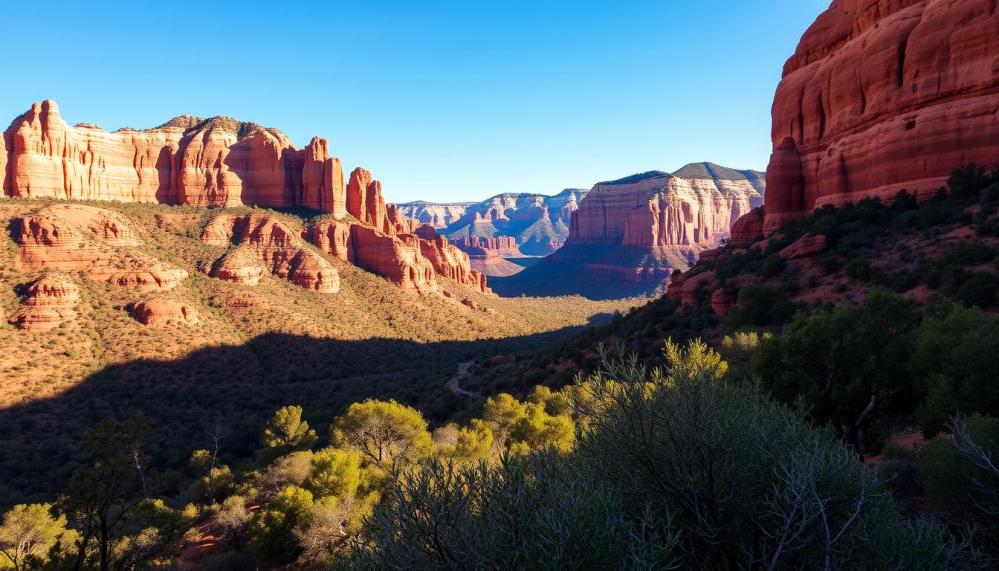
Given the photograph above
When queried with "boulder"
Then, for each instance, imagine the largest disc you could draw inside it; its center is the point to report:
(721, 302)
(806, 247)
(685, 286)
(749, 227)
(881, 96)
(158, 313)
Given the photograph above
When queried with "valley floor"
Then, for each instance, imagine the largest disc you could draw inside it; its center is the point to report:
(253, 349)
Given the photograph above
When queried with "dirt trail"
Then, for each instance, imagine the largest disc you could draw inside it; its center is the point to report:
(454, 385)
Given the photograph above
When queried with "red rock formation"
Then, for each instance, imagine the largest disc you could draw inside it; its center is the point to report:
(279, 250)
(332, 238)
(502, 246)
(685, 286)
(50, 301)
(748, 228)
(95, 241)
(212, 162)
(357, 195)
(241, 265)
(322, 186)
(397, 258)
(643, 227)
(880, 96)
(452, 263)
(721, 302)
(158, 313)
(806, 247)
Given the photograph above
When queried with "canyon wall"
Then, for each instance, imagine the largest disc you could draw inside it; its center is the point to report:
(201, 162)
(881, 96)
(218, 162)
(644, 226)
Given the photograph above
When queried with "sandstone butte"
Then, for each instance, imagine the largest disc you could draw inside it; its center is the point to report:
(881, 96)
(214, 162)
(643, 227)
(50, 301)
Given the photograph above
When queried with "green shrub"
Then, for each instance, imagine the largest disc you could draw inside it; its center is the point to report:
(760, 306)
(979, 290)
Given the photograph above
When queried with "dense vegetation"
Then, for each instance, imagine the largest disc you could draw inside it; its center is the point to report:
(631, 468)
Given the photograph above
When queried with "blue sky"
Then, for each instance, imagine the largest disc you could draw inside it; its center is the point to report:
(443, 101)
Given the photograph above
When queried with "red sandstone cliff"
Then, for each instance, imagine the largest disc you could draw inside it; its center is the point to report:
(880, 96)
(210, 162)
(643, 227)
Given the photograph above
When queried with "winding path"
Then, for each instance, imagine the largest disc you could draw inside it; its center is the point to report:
(455, 383)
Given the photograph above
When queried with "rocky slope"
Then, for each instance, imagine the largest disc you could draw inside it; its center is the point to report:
(880, 96)
(538, 223)
(217, 162)
(641, 228)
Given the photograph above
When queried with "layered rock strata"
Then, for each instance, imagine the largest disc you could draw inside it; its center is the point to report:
(261, 243)
(50, 301)
(881, 96)
(187, 160)
(642, 227)
(94, 241)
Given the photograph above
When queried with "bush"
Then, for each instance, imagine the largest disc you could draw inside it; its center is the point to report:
(848, 365)
(760, 306)
(676, 470)
(962, 477)
(955, 367)
(979, 290)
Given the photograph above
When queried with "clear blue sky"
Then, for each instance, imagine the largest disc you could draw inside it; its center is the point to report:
(443, 101)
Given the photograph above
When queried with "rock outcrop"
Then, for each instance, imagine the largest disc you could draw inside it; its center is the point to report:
(395, 257)
(642, 227)
(502, 246)
(50, 301)
(807, 247)
(160, 312)
(277, 249)
(881, 96)
(188, 160)
(411, 260)
(94, 241)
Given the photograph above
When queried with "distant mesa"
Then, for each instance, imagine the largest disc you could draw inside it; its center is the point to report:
(629, 235)
(882, 96)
